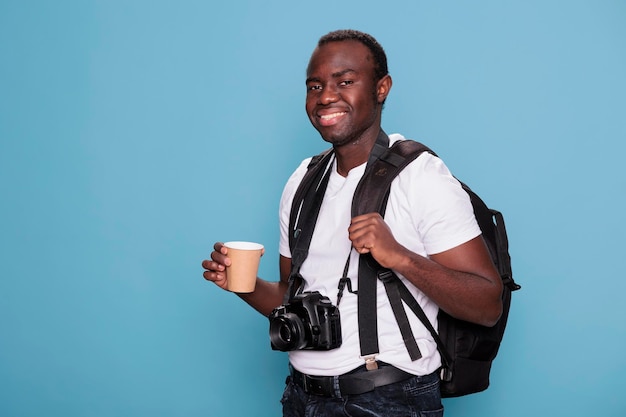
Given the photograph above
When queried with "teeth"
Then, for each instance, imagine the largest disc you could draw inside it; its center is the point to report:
(333, 115)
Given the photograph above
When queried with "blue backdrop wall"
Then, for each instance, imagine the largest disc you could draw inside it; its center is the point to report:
(134, 134)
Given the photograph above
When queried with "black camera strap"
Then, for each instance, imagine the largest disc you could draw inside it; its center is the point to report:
(345, 280)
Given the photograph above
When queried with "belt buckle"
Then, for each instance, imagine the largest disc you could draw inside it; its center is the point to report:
(319, 385)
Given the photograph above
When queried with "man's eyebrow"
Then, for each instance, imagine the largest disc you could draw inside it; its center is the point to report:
(334, 75)
(342, 73)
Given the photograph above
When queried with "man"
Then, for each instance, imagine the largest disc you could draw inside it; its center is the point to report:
(429, 237)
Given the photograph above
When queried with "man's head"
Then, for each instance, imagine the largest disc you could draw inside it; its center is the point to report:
(347, 85)
(378, 53)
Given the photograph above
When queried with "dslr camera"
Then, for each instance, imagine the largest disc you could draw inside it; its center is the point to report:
(308, 321)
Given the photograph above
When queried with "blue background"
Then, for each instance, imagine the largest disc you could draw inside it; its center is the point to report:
(134, 134)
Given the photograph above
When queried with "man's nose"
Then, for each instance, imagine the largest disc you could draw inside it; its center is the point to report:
(329, 95)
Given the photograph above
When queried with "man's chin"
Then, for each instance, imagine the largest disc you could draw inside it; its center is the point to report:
(335, 139)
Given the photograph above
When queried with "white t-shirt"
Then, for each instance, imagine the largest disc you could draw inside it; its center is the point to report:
(428, 212)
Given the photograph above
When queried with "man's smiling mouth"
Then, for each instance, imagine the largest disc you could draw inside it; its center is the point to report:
(332, 115)
(332, 118)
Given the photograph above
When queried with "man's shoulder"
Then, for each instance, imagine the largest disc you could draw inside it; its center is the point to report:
(395, 137)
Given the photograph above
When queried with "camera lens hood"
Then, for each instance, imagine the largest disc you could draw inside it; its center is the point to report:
(287, 332)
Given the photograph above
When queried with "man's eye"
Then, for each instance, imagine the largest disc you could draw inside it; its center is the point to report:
(346, 82)
(313, 87)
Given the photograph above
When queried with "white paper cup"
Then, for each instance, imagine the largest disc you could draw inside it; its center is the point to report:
(244, 267)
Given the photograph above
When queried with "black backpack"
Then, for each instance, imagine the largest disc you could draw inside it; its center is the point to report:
(467, 350)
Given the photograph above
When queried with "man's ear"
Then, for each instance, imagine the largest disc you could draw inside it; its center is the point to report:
(382, 88)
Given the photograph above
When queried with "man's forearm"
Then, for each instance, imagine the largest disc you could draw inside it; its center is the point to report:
(266, 296)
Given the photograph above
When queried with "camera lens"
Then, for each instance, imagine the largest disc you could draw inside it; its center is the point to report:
(287, 332)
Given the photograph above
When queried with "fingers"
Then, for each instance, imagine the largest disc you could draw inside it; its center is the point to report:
(215, 272)
(220, 248)
(219, 255)
(370, 234)
(365, 231)
(363, 249)
(215, 268)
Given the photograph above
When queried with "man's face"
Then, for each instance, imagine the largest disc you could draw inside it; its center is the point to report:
(343, 100)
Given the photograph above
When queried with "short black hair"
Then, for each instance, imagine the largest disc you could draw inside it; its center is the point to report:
(380, 58)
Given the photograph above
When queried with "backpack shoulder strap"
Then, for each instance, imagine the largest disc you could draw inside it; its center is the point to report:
(313, 175)
(373, 189)
(305, 209)
(371, 195)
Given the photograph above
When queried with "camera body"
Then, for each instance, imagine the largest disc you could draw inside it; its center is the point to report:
(308, 321)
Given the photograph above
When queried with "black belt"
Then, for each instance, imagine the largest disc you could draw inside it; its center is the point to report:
(352, 383)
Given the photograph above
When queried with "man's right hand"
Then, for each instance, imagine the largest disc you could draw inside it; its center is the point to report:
(215, 269)
(266, 296)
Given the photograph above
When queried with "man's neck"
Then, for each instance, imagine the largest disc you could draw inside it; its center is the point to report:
(355, 153)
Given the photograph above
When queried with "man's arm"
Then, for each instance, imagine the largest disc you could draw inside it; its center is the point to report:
(266, 296)
(269, 295)
(462, 281)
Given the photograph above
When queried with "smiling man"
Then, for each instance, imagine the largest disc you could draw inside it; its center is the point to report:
(429, 238)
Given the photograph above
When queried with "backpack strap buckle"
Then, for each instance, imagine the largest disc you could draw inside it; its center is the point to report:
(370, 362)
(385, 275)
(446, 374)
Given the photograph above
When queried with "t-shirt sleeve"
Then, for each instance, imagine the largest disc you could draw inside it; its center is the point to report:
(444, 216)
